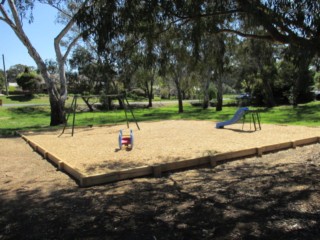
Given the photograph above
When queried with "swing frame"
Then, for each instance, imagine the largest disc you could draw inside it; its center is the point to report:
(121, 97)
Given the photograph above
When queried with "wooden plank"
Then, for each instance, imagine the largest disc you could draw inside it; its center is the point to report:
(134, 172)
(185, 164)
(74, 172)
(53, 158)
(157, 171)
(88, 181)
(213, 162)
(23, 137)
(277, 147)
(260, 151)
(116, 176)
(236, 154)
(306, 141)
(42, 151)
(33, 145)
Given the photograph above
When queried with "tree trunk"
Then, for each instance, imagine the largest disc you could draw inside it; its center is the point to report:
(219, 93)
(86, 101)
(179, 92)
(301, 58)
(270, 102)
(150, 91)
(150, 96)
(58, 115)
(180, 102)
(206, 99)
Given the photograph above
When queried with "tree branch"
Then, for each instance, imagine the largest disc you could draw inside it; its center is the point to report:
(74, 41)
(246, 35)
(219, 13)
(59, 9)
(15, 14)
(6, 18)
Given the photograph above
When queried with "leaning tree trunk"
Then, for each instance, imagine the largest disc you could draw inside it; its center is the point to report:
(57, 97)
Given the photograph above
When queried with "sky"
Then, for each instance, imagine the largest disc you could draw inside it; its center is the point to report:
(41, 33)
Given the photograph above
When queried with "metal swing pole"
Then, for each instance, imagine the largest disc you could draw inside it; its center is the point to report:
(125, 97)
(74, 114)
(73, 107)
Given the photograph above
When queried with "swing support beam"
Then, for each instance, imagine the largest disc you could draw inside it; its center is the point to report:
(121, 97)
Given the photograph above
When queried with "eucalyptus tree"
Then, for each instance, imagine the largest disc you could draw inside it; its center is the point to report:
(211, 67)
(145, 78)
(13, 13)
(145, 57)
(82, 61)
(294, 69)
(292, 22)
(257, 69)
(177, 68)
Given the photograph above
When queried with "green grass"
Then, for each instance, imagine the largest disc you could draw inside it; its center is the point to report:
(35, 117)
(304, 114)
(18, 99)
(23, 118)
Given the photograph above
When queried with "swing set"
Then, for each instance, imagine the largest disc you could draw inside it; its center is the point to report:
(121, 97)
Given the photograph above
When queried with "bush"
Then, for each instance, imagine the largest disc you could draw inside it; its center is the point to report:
(136, 94)
(29, 81)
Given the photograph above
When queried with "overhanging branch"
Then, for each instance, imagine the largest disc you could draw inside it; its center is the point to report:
(246, 35)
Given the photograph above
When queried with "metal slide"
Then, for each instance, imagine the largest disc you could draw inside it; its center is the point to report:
(237, 116)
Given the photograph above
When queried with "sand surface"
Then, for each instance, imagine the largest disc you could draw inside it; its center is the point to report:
(95, 150)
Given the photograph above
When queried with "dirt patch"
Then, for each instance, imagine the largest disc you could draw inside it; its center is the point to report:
(95, 150)
(276, 196)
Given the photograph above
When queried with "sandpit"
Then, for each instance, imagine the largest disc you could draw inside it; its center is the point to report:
(94, 151)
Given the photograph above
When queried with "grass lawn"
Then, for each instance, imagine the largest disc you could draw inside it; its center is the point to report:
(18, 99)
(29, 117)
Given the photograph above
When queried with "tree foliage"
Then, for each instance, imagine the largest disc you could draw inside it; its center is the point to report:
(285, 21)
(2, 80)
(161, 26)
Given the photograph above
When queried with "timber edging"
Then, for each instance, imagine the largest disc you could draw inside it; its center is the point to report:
(85, 180)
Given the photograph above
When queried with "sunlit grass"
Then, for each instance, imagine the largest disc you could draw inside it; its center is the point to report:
(28, 117)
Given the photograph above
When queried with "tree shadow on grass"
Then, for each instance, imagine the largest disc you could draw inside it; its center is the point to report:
(249, 201)
(30, 110)
(21, 98)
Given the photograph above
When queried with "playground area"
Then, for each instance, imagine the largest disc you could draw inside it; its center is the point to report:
(94, 152)
(276, 196)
